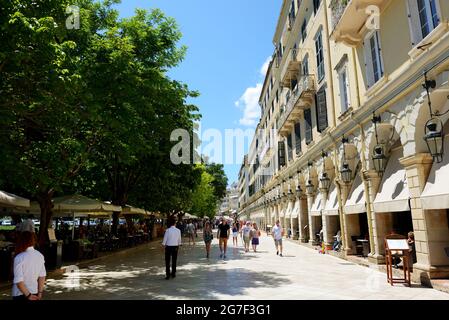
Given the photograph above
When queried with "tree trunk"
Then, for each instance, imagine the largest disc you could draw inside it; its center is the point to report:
(115, 217)
(46, 207)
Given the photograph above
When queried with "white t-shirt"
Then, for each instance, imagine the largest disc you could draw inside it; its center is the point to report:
(28, 267)
(277, 232)
(246, 231)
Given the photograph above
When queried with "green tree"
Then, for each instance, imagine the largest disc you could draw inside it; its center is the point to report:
(204, 201)
(220, 181)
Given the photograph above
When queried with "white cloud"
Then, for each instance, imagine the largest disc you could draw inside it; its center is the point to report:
(264, 68)
(249, 101)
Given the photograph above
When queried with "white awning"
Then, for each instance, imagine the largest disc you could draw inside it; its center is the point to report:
(288, 212)
(393, 195)
(282, 212)
(317, 206)
(257, 215)
(78, 203)
(356, 201)
(331, 208)
(243, 217)
(295, 210)
(436, 192)
(11, 200)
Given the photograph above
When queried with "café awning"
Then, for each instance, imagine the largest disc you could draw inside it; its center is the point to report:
(331, 208)
(79, 203)
(393, 195)
(356, 201)
(257, 215)
(317, 205)
(436, 192)
(288, 212)
(295, 210)
(127, 209)
(11, 200)
(282, 212)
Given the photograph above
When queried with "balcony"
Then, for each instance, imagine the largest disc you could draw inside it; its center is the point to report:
(349, 18)
(291, 68)
(301, 97)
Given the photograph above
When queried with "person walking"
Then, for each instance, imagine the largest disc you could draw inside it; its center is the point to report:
(246, 233)
(278, 233)
(191, 232)
(255, 234)
(208, 235)
(235, 234)
(171, 242)
(223, 236)
(29, 269)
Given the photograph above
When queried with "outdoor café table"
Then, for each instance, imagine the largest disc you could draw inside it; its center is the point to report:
(138, 238)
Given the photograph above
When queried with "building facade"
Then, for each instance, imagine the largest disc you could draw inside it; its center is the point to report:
(356, 106)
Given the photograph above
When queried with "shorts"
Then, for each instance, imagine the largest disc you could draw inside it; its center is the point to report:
(235, 234)
(255, 241)
(225, 240)
(246, 240)
(278, 242)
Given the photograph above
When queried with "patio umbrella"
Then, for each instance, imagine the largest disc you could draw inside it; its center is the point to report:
(11, 200)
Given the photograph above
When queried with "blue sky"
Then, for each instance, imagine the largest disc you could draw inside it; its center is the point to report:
(228, 44)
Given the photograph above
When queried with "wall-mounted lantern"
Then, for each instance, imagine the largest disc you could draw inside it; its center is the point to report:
(325, 182)
(346, 172)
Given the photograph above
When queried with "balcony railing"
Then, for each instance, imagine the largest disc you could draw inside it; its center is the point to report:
(305, 85)
(337, 8)
(291, 67)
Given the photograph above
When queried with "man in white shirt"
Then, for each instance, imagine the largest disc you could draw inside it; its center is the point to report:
(278, 233)
(172, 241)
(29, 270)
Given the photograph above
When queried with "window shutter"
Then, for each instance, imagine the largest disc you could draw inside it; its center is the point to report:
(321, 110)
(290, 147)
(297, 138)
(308, 125)
(414, 22)
(368, 64)
(281, 154)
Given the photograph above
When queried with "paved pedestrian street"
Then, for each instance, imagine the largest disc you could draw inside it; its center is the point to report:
(301, 273)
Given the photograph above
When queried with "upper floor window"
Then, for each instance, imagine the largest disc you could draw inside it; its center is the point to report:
(308, 125)
(321, 110)
(298, 138)
(319, 55)
(316, 5)
(290, 147)
(344, 87)
(373, 58)
(423, 18)
(305, 65)
(304, 30)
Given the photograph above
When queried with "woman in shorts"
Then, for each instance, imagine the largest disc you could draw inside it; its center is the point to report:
(208, 236)
(255, 234)
(235, 234)
(246, 232)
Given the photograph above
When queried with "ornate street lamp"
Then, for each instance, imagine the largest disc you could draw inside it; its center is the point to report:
(310, 188)
(378, 157)
(325, 182)
(433, 130)
(298, 190)
(346, 172)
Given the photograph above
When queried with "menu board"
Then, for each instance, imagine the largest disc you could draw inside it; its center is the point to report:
(51, 234)
(397, 244)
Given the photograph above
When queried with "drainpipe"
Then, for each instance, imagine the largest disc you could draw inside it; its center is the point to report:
(330, 77)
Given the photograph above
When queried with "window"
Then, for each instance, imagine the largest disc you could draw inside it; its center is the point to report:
(373, 59)
(423, 17)
(344, 89)
(304, 30)
(290, 147)
(319, 55)
(316, 5)
(308, 125)
(297, 138)
(321, 110)
(281, 154)
(305, 65)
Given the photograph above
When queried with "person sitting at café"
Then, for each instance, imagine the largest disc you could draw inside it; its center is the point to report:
(337, 242)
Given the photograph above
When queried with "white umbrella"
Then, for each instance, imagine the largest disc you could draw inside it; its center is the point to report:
(11, 200)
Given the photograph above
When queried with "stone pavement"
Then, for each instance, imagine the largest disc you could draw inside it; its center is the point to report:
(301, 274)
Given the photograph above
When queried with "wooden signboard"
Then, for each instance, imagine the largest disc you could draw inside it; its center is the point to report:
(397, 244)
(51, 234)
